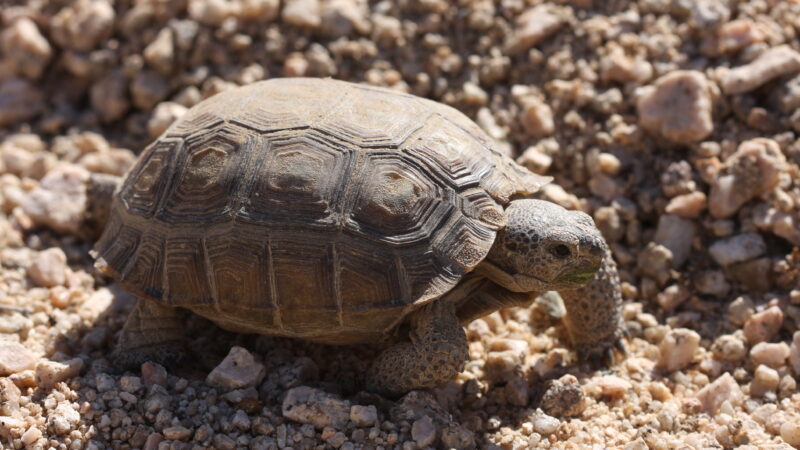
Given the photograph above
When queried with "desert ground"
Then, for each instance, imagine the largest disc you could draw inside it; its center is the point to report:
(673, 123)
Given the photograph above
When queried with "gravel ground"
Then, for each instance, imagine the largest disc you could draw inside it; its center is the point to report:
(673, 123)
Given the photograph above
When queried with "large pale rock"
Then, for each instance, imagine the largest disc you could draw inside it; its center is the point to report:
(15, 358)
(238, 370)
(714, 394)
(59, 201)
(773, 63)
(677, 349)
(677, 107)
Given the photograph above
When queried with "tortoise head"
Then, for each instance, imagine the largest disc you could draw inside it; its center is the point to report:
(544, 247)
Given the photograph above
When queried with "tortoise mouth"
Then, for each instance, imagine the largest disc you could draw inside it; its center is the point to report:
(577, 277)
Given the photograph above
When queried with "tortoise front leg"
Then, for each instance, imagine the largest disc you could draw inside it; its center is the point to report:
(593, 319)
(153, 332)
(437, 352)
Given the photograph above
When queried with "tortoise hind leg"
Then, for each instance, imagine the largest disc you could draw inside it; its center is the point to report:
(436, 353)
(153, 332)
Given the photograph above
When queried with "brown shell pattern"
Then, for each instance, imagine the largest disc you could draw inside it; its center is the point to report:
(309, 207)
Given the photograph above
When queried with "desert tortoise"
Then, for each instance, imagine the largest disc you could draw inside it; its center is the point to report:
(342, 213)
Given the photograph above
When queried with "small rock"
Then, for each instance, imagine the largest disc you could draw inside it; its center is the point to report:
(49, 373)
(535, 160)
(153, 374)
(677, 107)
(563, 397)
(790, 431)
(773, 63)
(25, 48)
(49, 268)
(740, 310)
(532, 27)
(163, 116)
(794, 353)
(64, 419)
(537, 117)
(20, 101)
(341, 17)
(754, 169)
(148, 88)
(160, 53)
(676, 234)
(742, 247)
(765, 380)
(687, 206)
(302, 13)
(677, 349)
(544, 424)
(505, 358)
(238, 370)
(729, 348)
(83, 24)
(210, 12)
(178, 433)
(423, 431)
(259, 10)
(153, 441)
(60, 201)
(720, 390)
(772, 355)
(613, 386)
(31, 435)
(109, 96)
(761, 327)
(456, 436)
(364, 416)
(672, 297)
(712, 282)
(313, 406)
(618, 66)
(516, 391)
(15, 358)
(738, 34)
(655, 261)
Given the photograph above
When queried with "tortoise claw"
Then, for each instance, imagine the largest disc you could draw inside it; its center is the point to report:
(603, 354)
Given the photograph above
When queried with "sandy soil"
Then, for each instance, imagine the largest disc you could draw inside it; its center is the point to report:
(673, 123)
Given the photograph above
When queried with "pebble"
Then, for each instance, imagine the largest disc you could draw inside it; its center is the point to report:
(517, 391)
(613, 386)
(687, 206)
(49, 373)
(153, 374)
(754, 169)
(672, 297)
(535, 160)
(776, 62)
(505, 358)
(564, 397)
(302, 13)
(655, 261)
(164, 114)
(720, 390)
(676, 234)
(765, 380)
(312, 406)
(259, 10)
(15, 358)
(364, 416)
(762, 326)
(772, 355)
(31, 435)
(148, 88)
(790, 431)
(178, 433)
(677, 107)
(25, 48)
(537, 117)
(738, 34)
(64, 419)
(109, 96)
(532, 27)
(83, 24)
(712, 282)
(677, 349)
(160, 53)
(794, 353)
(210, 12)
(736, 249)
(544, 424)
(729, 348)
(19, 101)
(238, 370)
(49, 268)
(59, 202)
(423, 431)
(618, 66)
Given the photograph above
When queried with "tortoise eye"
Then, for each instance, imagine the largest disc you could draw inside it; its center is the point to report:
(560, 250)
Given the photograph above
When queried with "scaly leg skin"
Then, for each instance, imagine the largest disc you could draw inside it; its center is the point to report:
(437, 353)
(594, 316)
(154, 333)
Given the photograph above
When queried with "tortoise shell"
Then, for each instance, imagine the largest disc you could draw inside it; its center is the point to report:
(309, 208)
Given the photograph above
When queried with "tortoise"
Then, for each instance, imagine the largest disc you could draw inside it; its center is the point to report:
(343, 214)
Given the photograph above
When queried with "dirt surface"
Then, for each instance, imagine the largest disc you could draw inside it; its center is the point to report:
(673, 123)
